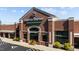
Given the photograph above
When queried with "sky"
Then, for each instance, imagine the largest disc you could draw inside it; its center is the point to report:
(10, 15)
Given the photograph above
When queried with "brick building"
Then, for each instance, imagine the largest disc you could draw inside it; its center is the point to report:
(43, 27)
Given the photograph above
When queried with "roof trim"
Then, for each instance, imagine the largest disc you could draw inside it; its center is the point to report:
(38, 10)
(41, 11)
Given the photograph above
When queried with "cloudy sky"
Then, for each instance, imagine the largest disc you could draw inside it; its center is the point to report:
(10, 15)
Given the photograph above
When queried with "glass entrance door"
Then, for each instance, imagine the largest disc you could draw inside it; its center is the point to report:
(34, 36)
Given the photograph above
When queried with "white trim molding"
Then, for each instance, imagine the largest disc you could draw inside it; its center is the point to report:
(76, 34)
(52, 18)
(7, 31)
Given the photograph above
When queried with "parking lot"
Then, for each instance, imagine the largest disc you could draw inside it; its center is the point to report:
(11, 47)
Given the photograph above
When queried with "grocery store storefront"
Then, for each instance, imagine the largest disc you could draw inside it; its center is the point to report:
(34, 32)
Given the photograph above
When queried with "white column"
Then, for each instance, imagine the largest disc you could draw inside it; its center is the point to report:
(28, 37)
(53, 31)
(40, 37)
(8, 35)
(52, 19)
(15, 35)
(20, 35)
(70, 38)
(4, 35)
(0, 34)
(49, 37)
(21, 31)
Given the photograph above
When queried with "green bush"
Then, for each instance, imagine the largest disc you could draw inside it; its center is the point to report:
(16, 39)
(57, 44)
(68, 46)
(32, 42)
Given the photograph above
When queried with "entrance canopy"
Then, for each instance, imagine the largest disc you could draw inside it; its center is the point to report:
(7, 31)
(76, 34)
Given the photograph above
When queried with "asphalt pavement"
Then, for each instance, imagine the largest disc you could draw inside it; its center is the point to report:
(11, 47)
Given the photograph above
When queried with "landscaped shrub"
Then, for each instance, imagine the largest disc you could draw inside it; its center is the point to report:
(68, 46)
(16, 39)
(57, 44)
(33, 42)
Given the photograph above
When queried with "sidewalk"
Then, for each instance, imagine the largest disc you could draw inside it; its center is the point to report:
(76, 49)
(40, 47)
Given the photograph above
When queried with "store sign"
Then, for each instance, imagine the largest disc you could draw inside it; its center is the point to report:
(34, 22)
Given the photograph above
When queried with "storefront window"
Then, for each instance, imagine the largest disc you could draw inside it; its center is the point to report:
(61, 36)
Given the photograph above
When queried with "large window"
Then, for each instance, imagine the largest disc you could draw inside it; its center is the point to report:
(45, 37)
(34, 33)
(61, 36)
(34, 29)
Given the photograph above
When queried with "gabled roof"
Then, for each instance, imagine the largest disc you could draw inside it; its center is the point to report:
(41, 11)
(38, 10)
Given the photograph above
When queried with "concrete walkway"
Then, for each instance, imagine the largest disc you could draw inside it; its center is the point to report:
(40, 47)
(75, 49)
